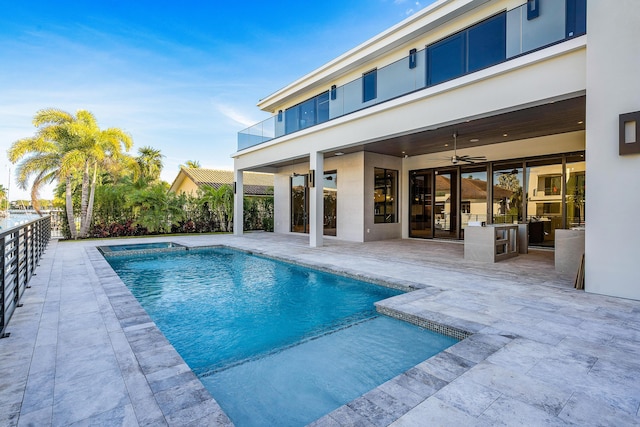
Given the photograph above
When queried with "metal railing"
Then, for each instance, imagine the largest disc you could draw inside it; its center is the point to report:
(21, 248)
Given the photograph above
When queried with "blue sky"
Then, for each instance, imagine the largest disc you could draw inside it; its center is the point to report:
(182, 77)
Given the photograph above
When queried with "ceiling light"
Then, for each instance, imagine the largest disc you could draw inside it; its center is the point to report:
(339, 153)
(474, 140)
(580, 122)
(446, 145)
(505, 134)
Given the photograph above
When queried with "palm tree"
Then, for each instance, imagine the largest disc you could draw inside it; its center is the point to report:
(3, 195)
(192, 164)
(220, 202)
(155, 208)
(63, 146)
(150, 164)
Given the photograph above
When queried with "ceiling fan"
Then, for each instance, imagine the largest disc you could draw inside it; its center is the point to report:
(468, 159)
(513, 171)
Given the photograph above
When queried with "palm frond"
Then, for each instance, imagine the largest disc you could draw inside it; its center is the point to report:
(51, 116)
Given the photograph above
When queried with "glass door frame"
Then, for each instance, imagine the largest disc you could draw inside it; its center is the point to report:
(563, 160)
(454, 203)
(426, 204)
(305, 204)
(332, 222)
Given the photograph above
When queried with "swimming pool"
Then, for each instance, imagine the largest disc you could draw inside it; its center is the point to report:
(273, 342)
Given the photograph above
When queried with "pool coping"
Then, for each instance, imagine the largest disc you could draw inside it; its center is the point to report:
(162, 366)
(165, 370)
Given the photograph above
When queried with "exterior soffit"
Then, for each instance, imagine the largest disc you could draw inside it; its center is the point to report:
(411, 28)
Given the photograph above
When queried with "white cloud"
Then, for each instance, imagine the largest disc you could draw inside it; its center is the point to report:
(231, 113)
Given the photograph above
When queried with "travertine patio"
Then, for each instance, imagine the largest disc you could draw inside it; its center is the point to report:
(83, 352)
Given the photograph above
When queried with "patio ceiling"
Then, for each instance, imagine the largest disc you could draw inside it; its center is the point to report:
(547, 119)
(551, 118)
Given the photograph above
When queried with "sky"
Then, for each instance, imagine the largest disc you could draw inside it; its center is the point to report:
(182, 77)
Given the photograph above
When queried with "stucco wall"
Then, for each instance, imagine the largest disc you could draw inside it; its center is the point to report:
(613, 87)
(350, 185)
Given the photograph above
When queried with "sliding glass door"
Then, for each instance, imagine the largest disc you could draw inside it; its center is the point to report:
(446, 205)
(330, 188)
(548, 193)
(300, 203)
(421, 204)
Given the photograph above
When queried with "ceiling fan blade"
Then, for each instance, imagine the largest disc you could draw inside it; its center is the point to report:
(511, 172)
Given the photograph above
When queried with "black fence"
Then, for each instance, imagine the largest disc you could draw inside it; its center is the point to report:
(20, 250)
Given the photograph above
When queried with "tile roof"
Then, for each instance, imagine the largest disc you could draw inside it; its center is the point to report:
(255, 183)
(473, 188)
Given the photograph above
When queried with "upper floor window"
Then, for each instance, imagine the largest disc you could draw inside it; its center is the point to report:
(552, 185)
(370, 85)
(576, 24)
(477, 47)
(308, 113)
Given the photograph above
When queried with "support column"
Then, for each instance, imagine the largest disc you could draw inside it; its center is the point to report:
(238, 203)
(316, 199)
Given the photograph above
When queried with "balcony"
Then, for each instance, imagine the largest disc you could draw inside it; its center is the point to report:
(497, 39)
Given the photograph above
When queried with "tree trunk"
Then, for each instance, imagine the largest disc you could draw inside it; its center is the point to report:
(69, 205)
(84, 201)
(84, 232)
(35, 203)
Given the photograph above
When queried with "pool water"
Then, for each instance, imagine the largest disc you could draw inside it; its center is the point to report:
(273, 341)
(138, 248)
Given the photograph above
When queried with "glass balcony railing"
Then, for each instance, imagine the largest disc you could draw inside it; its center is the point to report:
(522, 34)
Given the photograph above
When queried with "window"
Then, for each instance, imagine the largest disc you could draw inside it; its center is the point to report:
(477, 47)
(576, 18)
(308, 113)
(465, 207)
(487, 43)
(446, 59)
(549, 209)
(385, 190)
(369, 85)
(552, 185)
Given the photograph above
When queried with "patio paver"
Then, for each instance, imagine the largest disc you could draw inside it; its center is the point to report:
(83, 352)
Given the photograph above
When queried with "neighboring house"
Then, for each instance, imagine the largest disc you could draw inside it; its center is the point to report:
(512, 93)
(189, 180)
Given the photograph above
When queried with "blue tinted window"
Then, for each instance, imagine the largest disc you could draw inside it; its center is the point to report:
(291, 120)
(446, 59)
(487, 43)
(576, 17)
(477, 47)
(323, 107)
(369, 85)
(308, 113)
